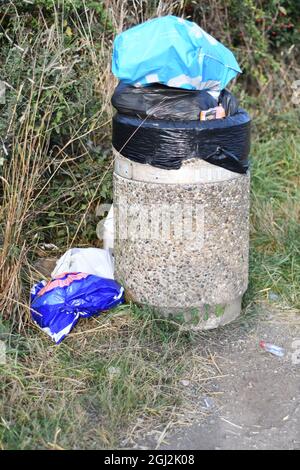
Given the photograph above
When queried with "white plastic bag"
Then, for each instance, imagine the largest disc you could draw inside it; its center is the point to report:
(86, 260)
(108, 230)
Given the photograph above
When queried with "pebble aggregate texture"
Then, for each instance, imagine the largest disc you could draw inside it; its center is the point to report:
(200, 276)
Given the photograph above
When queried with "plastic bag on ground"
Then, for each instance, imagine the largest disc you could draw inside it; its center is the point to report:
(56, 306)
(87, 260)
(174, 52)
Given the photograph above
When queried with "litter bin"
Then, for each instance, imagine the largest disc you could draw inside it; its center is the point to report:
(181, 235)
(181, 179)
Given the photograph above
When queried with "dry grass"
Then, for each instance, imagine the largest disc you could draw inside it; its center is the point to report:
(34, 164)
(116, 380)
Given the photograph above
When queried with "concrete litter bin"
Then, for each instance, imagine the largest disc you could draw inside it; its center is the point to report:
(182, 239)
(181, 181)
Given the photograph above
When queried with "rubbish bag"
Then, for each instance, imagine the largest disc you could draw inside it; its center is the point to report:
(161, 102)
(57, 305)
(105, 231)
(165, 144)
(108, 232)
(229, 102)
(87, 260)
(174, 52)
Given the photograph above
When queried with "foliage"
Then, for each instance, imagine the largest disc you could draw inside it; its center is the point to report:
(56, 164)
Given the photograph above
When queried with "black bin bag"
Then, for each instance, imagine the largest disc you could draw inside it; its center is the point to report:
(162, 102)
(166, 143)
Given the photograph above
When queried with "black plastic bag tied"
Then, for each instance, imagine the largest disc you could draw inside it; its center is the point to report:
(165, 143)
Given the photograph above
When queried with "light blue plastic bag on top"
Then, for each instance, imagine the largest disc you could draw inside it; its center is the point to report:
(174, 52)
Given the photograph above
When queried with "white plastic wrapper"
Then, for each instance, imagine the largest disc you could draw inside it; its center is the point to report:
(86, 260)
(108, 230)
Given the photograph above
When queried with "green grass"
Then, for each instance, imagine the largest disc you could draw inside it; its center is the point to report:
(114, 379)
(275, 211)
(117, 377)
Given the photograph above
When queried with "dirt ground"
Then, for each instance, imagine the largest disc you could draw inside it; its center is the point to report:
(255, 402)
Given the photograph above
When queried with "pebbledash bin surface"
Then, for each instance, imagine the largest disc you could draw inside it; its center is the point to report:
(182, 233)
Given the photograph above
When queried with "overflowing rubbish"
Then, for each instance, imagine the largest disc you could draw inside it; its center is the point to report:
(86, 260)
(272, 348)
(229, 102)
(57, 305)
(171, 101)
(165, 144)
(174, 52)
(173, 110)
(162, 102)
(212, 113)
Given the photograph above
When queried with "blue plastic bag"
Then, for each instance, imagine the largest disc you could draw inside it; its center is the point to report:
(56, 306)
(174, 52)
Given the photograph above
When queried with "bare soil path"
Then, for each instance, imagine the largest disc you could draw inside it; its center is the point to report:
(258, 406)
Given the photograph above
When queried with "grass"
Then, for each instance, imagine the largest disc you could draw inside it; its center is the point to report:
(116, 377)
(113, 379)
(54, 170)
(275, 215)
